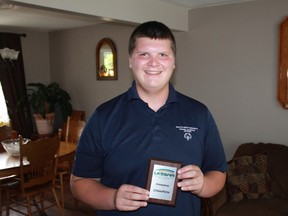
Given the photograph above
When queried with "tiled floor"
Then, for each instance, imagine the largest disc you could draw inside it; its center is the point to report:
(70, 208)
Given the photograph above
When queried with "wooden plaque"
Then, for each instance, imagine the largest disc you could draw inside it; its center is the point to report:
(162, 181)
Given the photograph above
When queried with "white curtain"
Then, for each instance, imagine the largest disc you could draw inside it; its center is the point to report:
(4, 118)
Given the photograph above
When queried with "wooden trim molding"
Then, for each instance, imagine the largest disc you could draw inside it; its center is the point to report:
(282, 87)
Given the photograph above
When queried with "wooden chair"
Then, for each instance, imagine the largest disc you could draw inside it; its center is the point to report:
(72, 134)
(78, 115)
(38, 169)
(74, 130)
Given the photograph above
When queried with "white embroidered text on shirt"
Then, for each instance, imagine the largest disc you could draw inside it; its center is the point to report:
(187, 131)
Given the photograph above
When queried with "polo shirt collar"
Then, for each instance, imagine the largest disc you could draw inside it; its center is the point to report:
(133, 94)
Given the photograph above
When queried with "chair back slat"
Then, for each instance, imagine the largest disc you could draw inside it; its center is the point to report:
(73, 130)
(42, 158)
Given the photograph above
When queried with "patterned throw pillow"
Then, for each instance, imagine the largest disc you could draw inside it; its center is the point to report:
(247, 178)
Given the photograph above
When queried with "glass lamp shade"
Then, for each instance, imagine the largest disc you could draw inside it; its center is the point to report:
(10, 54)
(14, 55)
(4, 53)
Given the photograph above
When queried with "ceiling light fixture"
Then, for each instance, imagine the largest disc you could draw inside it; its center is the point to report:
(9, 54)
(6, 5)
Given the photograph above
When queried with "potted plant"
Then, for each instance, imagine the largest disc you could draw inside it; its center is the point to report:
(44, 100)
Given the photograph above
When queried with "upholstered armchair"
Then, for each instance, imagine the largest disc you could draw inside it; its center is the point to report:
(257, 183)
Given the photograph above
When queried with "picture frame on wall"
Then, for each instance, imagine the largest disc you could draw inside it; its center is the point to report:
(106, 60)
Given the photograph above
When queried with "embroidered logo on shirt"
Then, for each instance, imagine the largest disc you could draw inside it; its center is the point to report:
(187, 131)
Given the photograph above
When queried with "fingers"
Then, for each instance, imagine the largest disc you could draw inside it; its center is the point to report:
(191, 179)
(130, 198)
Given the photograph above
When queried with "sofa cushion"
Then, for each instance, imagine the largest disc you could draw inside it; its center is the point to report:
(277, 164)
(248, 178)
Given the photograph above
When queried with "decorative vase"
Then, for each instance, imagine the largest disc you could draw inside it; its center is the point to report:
(44, 126)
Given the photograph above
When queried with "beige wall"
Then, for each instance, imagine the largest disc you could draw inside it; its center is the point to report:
(73, 64)
(37, 63)
(228, 60)
(35, 51)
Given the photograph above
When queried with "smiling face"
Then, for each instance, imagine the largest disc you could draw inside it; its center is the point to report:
(152, 62)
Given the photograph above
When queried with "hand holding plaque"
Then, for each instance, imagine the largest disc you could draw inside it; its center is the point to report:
(162, 181)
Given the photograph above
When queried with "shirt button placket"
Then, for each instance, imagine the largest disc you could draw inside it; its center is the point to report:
(156, 131)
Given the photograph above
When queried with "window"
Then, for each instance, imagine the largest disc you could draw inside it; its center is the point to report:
(4, 118)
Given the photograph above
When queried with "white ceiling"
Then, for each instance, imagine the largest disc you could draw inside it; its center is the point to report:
(201, 3)
(16, 15)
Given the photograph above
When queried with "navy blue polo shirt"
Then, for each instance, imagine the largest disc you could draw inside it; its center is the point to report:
(124, 133)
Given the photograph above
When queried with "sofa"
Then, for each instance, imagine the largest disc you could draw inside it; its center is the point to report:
(257, 183)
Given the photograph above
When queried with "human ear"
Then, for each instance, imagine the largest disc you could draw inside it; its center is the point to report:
(130, 62)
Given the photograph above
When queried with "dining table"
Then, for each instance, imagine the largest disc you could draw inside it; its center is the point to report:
(10, 165)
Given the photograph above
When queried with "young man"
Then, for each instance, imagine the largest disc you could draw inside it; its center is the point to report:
(150, 120)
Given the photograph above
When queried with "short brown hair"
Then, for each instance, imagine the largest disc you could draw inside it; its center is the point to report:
(153, 30)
